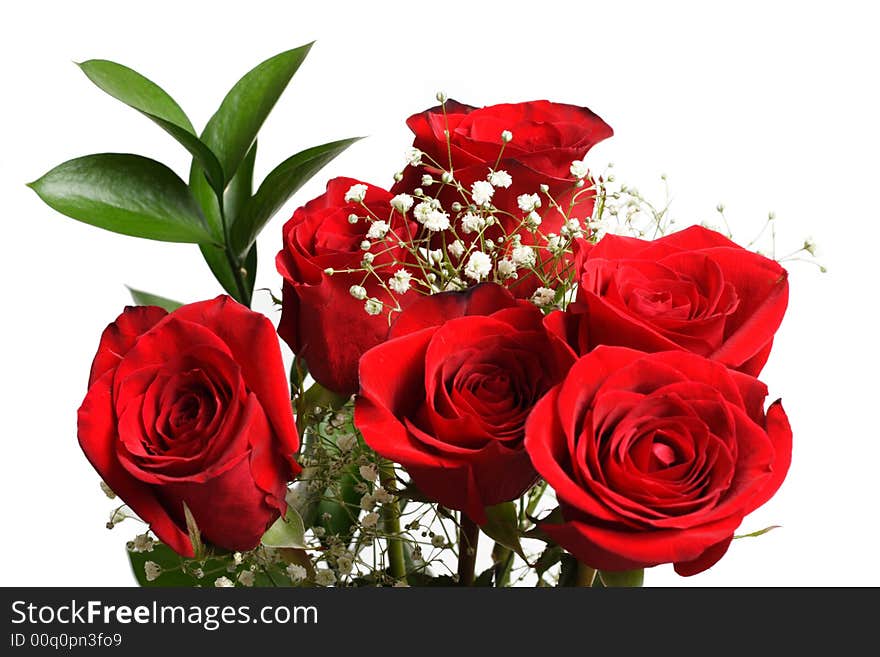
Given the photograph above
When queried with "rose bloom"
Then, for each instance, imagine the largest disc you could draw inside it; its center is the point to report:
(546, 138)
(192, 408)
(655, 458)
(693, 290)
(448, 395)
(320, 319)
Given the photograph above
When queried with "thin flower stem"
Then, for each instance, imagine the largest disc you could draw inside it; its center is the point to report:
(469, 534)
(585, 575)
(391, 523)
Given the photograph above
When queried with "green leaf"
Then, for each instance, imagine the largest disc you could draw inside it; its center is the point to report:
(218, 261)
(551, 555)
(286, 532)
(623, 578)
(503, 526)
(759, 532)
(126, 194)
(142, 298)
(237, 193)
(177, 571)
(485, 578)
(282, 183)
(172, 565)
(140, 93)
(240, 188)
(233, 128)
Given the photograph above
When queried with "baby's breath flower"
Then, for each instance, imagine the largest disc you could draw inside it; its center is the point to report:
(572, 228)
(325, 577)
(296, 573)
(400, 281)
(472, 223)
(246, 578)
(359, 292)
(506, 268)
(109, 493)
(545, 188)
(356, 194)
(413, 157)
(353, 218)
(116, 516)
(478, 267)
(365, 245)
(438, 541)
(554, 243)
(368, 257)
(579, 169)
(344, 564)
(142, 543)
(373, 306)
(506, 136)
(346, 442)
(454, 285)
(528, 202)
(378, 230)
(524, 256)
(368, 472)
(434, 255)
(152, 570)
(500, 179)
(533, 220)
(481, 192)
(383, 496)
(427, 180)
(456, 249)
(810, 246)
(402, 203)
(368, 502)
(447, 177)
(370, 520)
(437, 220)
(423, 210)
(543, 297)
(223, 583)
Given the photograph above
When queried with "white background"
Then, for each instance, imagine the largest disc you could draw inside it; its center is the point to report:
(763, 106)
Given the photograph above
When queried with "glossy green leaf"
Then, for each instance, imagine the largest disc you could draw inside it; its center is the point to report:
(177, 571)
(503, 526)
(218, 261)
(286, 532)
(144, 95)
(237, 194)
(233, 128)
(623, 578)
(124, 193)
(240, 188)
(279, 186)
(142, 298)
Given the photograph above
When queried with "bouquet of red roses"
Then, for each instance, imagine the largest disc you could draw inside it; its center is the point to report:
(501, 343)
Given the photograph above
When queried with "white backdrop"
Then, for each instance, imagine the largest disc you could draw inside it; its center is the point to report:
(763, 106)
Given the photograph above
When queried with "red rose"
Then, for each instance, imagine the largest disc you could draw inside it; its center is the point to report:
(546, 138)
(192, 407)
(655, 458)
(448, 395)
(693, 290)
(320, 320)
